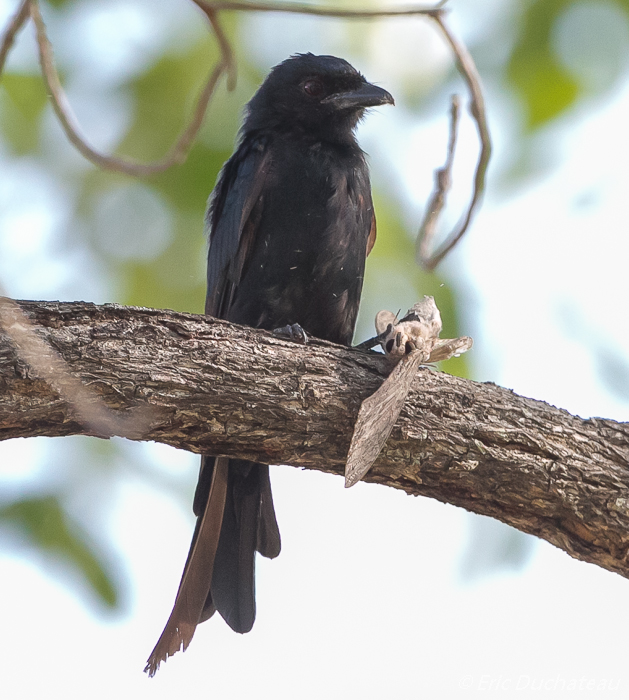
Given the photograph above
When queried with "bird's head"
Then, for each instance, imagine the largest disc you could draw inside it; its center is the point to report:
(322, 96)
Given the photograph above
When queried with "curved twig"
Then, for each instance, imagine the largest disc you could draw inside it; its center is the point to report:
(227, 63)
(223, 42)
(467, 68)
(15, 24)
(295, 8)
(443, 182)
(177, 153)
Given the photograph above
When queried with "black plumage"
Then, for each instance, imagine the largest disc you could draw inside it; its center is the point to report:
(290, 224)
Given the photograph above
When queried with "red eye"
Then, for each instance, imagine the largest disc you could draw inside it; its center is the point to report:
(313, 87)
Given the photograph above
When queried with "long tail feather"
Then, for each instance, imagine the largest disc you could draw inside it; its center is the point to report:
(197, 576)
(233, 583)
(269, 542)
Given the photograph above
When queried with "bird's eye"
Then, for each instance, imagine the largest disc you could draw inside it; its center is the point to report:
(313, 87)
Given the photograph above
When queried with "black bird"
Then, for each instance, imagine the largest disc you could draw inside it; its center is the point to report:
(290, 224)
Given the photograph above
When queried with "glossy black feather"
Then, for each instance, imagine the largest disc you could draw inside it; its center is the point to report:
(302, 260)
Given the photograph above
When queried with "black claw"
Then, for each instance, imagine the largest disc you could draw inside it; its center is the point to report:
(376, 340)
(368, 344)
(293, 332)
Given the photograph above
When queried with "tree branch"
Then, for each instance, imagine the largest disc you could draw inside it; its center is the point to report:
(12, 29)
(467, 69)
(178, 151)
(222, 389)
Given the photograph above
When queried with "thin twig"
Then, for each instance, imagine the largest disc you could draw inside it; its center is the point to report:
(48, 365)
(15, 24)
(294, 8)
(223, 42)
(466, 67)
(177, 153)
(443, 181)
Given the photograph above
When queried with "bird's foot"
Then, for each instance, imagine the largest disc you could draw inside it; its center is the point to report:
(292, 332)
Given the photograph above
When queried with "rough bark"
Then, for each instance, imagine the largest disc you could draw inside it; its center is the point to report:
(223, 389)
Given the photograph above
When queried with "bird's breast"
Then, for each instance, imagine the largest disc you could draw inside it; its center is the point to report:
(308, 259)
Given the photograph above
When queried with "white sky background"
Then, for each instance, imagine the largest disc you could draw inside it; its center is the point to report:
(366, 599)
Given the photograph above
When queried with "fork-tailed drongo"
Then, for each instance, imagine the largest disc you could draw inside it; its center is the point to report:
(290, 224)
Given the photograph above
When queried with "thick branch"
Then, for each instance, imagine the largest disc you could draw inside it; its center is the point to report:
(223, 389)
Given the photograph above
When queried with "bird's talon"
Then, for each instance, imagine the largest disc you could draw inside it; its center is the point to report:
(293, 332)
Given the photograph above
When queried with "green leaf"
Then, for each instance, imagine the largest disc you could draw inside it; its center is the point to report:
(47, 527)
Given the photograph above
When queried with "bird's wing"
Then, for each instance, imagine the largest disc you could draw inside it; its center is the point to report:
(232, 219)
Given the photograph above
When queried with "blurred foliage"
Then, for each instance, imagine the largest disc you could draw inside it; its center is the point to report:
(154, 254)
(23, 107)
(493, 546)
(162, 97)
(613, 370)
(46, 526)
(536, 72)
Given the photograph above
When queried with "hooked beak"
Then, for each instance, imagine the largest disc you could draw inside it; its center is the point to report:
(367, 95)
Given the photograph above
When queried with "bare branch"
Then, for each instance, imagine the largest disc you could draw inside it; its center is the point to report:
(467, 68)
(295, 8)
(13, 27)
(45, 363)
(222, 389)
(226, 50)
(443, 182)
(178, 152)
